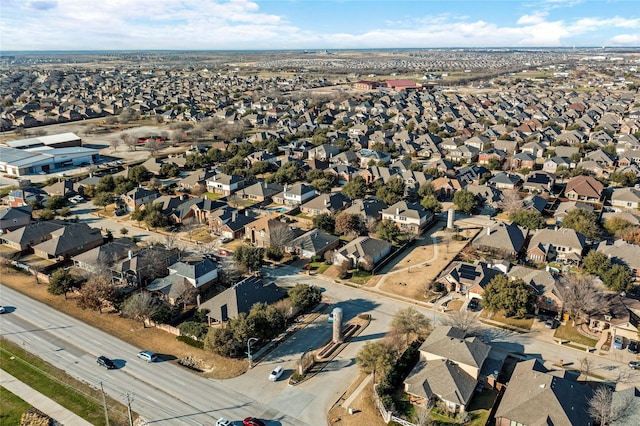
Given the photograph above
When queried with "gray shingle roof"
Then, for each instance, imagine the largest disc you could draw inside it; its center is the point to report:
(450, 343)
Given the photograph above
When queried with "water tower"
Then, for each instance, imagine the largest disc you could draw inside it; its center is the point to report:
(337, 325)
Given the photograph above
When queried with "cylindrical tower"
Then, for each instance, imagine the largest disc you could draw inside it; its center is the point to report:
(337, 325)
(450, 217)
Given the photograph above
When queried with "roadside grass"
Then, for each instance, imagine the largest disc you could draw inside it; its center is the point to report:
(524, 323)
(199, 235)
(319, 267)
(455, 305)
(72, 394)
(11, 408)
(360, 277)
(567, 332)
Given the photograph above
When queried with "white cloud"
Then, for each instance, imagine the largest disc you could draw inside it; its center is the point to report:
(625, 40)
(536, 18)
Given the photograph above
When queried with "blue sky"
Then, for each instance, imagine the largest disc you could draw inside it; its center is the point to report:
(314, 24)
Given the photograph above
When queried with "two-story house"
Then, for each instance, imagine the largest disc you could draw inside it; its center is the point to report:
(138, 197)
(409, 217)
(295, 194)
(562, 245)
(224, 184)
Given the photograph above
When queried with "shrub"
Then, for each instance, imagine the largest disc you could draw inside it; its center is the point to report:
(191, 342)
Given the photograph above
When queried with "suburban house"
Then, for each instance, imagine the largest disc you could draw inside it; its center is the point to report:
(562, 245)
(240, 298)
(368, 209)
(62, 188)
(260, 191)
(326, 203)
(357, 250)
(626, 198)
(409, 217)
(294, 195)
(315, 242)
(505, 240)
(185, 275)
(224, 184)
(228, 223)
(26, 237)
(144, 265)
(24, 196)
(504, 180)
(14, 218)
(451, 367)
(444, 188)
(466, 278)
(623, 253)
(138, 197)
(68, 241)
(538, 396)
(539, 181)
(101, 258)
(549, 297)
(619, 316)
(261, 232)
(567, 206)
(584, 188)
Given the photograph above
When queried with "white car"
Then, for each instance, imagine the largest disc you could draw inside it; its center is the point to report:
(276, 373)
(223, 422)
(147, 356)
(2, 310)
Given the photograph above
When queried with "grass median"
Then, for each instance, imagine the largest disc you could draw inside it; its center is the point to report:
(72, 394)
(11, 408)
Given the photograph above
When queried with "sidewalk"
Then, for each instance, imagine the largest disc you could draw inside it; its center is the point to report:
(39, 401)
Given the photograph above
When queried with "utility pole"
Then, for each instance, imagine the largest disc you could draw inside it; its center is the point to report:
(104, 402)
(129, 401)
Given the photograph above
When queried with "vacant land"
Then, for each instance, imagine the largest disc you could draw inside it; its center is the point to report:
(126, 329)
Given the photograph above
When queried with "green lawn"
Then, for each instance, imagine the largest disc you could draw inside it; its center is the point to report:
(72, 394)
(319, 267)
(524, 323)
(212, 196)
(11, 408)
(567, 332)
(360, 277)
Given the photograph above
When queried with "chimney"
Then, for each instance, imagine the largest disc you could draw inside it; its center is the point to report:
(326, 201)
(266, 185)
(488, 230)
(234, 216)
(130, 254)
(397, 211)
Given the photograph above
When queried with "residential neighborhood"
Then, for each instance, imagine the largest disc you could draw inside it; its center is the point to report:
(232, 213)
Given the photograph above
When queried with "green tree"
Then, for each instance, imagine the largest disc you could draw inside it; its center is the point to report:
(304, 296)
(618, 278)
(408, 321)
(431, 203)
(530, 219)
(61, 282)
(596, 262)
(425, 189)
(322, 185)
(102, 199)
(169, 170)
(324, 221)
(388, 231)
(138, 174)
(392, 192)
(617, 225)
(582, 221)
(249, 257)
(465, 201)
(106, 184)
(376, 357)
(355, 189)
(514, 297)
(56, 202)
(195, 329)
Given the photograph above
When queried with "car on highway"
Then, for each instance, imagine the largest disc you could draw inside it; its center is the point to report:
(618, 342)
(147, 356)
(276, 373)
(633, 347)
(223, 422)
(252, 421)
(105, 362)
(635, 365)
(473, 304)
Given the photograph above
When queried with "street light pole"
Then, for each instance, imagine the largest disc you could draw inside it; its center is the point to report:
(249, 341)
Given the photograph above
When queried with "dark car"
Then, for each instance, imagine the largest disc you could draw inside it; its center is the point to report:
(252, 421)
(635, 365)
(633, 347)
(473, 304)
(105, 362)
(551, 323)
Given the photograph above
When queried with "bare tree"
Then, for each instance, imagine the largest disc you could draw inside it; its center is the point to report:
(96, 293)
(466, 321)
(153, 146)
(581, 296)
(6, 258)
(140, 306)
(130, 141)
(510, 201)
(279, 236)
(586, 365)
(408, 321)
(177, 136)
(114, 144)
(422, 416)
(607, 407)
(186, 293)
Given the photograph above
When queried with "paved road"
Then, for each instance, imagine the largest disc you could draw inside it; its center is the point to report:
(164, 393)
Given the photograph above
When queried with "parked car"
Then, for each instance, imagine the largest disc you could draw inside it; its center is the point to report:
(223, 422)
(635, 365)
(633, 347)
(226, 240)
(276, 373)
(618, 342)
(147, 356)
(223, 253)
(105, 362)
(252, 421)
(551, 323)
(473, 304)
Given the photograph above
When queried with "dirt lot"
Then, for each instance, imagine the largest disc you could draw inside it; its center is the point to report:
(128, 330)
(411, 272)
(365, 411)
